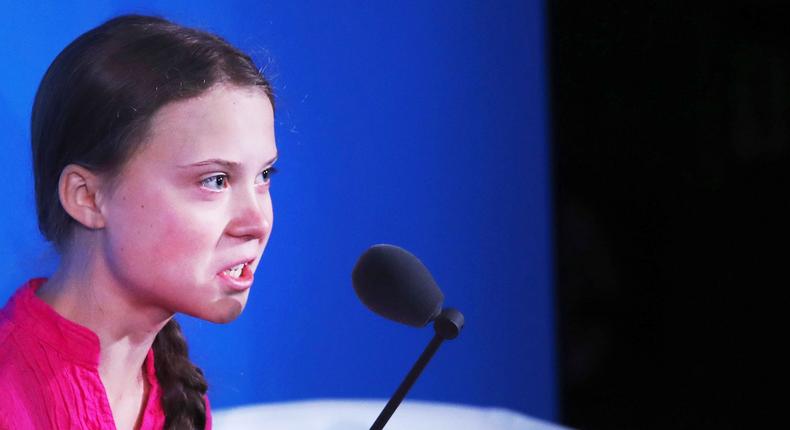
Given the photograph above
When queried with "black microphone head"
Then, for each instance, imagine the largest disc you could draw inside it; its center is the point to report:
(395, 284)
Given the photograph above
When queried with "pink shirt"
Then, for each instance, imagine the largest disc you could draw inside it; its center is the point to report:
(49, 371)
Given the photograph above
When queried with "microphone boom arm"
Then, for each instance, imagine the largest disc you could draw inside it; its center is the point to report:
(447, 326)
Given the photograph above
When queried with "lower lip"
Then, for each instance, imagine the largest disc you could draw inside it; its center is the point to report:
(242, 283)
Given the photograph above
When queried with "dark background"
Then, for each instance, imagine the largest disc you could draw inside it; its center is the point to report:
(671, 170)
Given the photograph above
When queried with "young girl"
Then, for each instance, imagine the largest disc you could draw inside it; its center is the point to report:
(153, 147)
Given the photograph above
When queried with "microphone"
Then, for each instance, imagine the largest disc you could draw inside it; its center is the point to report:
(395, 284)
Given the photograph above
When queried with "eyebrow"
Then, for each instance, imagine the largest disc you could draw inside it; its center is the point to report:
(221, 162)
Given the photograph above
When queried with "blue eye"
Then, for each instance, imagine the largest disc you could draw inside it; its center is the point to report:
(266, 175)
(216, 182)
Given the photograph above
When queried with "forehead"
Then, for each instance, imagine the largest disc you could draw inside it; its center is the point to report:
(225, 121)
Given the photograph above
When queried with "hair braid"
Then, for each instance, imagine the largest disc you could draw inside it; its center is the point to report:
(183, 385)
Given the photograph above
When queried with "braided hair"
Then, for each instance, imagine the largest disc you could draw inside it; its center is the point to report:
(183, 384)
(93, 108)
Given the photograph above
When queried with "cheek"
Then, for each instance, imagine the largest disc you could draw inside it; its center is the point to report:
(163, 236)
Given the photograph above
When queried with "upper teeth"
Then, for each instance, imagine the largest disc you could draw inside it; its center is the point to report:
(235, 271)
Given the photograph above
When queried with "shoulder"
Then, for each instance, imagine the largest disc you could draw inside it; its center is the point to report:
(5, 325)
(16, 310)
(11, 358)
(21, 330)
(16, 354)
(9, 326)
(5, 331)
(7, 346)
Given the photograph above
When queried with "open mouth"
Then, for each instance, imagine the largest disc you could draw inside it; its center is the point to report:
(236, 271)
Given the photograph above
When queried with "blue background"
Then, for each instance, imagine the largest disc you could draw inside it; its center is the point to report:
(418, 123)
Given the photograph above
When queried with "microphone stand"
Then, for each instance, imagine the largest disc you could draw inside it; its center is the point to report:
(446, 326)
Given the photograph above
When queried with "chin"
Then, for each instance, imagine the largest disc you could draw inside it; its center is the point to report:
(223, 311)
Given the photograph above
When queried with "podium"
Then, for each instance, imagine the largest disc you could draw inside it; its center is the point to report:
(349, 414)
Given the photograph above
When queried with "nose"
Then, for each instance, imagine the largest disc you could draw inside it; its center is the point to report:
(251, 215)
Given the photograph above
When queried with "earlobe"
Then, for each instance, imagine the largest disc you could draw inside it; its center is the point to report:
(78, 190)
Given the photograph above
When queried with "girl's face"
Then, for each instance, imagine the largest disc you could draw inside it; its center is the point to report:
(188, 217)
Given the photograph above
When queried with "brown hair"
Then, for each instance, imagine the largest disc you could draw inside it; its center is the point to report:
(93, 108)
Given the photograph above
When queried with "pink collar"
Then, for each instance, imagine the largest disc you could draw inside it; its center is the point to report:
(74, 342)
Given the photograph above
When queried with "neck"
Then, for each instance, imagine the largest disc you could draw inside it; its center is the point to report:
(82, 291)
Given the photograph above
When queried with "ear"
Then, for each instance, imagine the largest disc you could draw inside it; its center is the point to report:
(78, 189)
